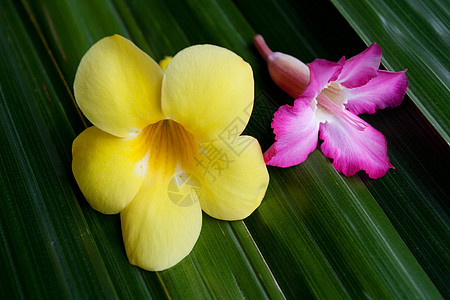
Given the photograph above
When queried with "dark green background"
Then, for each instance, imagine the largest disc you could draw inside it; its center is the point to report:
(317, 234)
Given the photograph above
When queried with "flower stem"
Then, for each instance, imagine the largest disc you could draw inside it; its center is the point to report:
(261, 46)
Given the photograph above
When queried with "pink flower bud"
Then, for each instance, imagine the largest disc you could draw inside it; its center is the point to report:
(289, 73)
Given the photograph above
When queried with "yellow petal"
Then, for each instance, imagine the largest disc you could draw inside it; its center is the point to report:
(209, 90)
(118, 87)
(109, 170)
(233, 177)
(162, 224)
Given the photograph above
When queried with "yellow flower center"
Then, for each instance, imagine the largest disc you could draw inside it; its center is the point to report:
(168, 147)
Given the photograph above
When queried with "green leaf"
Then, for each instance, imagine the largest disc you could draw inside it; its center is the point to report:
(42, 228)
(317, 234)
(415, 37)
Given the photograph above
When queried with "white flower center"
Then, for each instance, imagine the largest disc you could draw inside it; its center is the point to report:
(330, 103)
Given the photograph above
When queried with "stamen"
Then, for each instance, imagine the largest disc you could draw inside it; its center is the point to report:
(341, 112)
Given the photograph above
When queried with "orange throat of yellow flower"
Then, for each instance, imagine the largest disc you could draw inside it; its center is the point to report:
(166, 147)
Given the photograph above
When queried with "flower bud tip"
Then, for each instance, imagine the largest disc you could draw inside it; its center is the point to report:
(261, 46)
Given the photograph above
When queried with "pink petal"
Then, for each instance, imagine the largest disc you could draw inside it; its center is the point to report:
(385, 90)
(359, 69)
(352, 149)
(322, 72)
(296, 133)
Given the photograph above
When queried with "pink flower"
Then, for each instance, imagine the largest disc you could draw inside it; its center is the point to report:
(330, 103)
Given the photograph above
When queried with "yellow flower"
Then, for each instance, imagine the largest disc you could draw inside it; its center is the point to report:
(166, 144)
